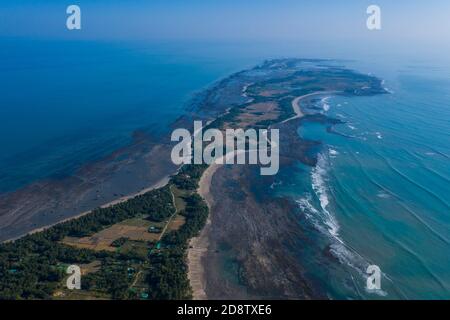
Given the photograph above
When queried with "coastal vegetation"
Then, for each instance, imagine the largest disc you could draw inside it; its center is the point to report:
(34, 267)
(137, 249)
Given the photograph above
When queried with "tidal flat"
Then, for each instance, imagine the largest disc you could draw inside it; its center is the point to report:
(253, 240)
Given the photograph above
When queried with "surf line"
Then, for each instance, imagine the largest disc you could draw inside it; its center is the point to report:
(296, 103)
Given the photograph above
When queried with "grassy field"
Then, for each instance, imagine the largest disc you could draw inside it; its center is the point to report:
(103, 239)
(133, 229)
(176, 222)
(134, 240)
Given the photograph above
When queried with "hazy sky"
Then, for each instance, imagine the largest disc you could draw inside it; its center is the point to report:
(405, 23)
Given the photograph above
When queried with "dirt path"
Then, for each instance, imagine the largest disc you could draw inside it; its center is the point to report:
(136, 279)
(171, 217)
(198, 246)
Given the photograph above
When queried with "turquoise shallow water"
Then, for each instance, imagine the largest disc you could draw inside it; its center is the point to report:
(380, 192)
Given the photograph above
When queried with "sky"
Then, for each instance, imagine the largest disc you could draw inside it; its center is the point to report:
(406, 24)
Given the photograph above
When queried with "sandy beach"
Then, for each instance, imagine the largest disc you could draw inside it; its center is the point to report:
(256, 241)
(157, 185)
(198, 246)
(296, 104)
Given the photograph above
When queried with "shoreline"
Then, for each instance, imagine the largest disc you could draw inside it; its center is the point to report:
(198, 246)
(123, 174)
(252, 228)
(48, 199)
(159, 184)
(296, 104)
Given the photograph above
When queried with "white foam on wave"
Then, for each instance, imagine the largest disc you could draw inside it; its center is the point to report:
(386, 88)
(333, 152)
(325, 105)
(352, 259)
(383, 195)
(326, 223)
(379, 292)
(379, 135)
(275, 183)
(318, 178)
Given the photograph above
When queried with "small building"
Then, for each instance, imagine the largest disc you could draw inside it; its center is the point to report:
(144, 295)
(153, 229)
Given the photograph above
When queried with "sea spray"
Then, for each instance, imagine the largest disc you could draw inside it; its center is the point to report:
(324, 221)
(325, 105)
(318, 178)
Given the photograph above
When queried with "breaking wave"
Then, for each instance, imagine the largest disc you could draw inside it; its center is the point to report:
(325, 104)
(322, 218)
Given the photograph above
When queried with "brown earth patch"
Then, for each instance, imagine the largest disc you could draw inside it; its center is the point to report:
(258, 112)
(131, 229)
(271, 93)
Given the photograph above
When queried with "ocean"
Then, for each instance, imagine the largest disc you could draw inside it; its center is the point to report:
(67, 103)
(379, 194)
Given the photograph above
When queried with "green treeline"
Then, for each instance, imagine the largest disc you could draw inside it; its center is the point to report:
(169, 275)
(189, 176)
(34, 266)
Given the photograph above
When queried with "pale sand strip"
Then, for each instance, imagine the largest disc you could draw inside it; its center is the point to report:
(296, 104)
(198, 246)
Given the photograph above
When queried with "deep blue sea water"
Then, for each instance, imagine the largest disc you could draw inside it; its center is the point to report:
(65, 103)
